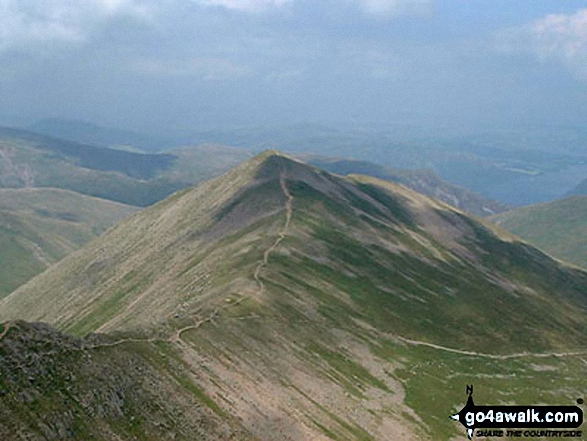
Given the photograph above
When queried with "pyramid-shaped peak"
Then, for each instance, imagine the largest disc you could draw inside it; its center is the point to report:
(274, 156)
(273, 163)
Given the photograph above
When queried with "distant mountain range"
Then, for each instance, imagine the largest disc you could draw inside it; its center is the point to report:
(279, 301)
(39, 226)
(32, 160)
(516, 167)
(424, 181)
(558, 227)
(89, 133)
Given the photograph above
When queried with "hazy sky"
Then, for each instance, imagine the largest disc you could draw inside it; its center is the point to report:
(180, 63)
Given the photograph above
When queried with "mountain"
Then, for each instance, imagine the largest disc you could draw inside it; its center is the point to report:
(90, 133)
(28, 159)
(515, 167)
(423, 181)
(40, 226)
(312, 306)
(32, 160)
(558, 227)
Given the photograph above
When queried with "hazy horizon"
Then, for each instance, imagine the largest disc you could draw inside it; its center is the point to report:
(186, 64)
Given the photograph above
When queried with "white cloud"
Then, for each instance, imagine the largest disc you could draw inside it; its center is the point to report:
(370, 7)
(557, 36)
(396, 7)
(245, 5)
(23, 22)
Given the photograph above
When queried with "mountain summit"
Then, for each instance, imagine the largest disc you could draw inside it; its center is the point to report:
(377, 250)
(292, 295)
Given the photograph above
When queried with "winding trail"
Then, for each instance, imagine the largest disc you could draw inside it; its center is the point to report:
(281, 236)
(176, 338)
(490, 356)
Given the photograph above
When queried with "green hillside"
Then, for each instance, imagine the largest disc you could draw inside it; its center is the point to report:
(311, 306)
(559, 227)
(38, 227)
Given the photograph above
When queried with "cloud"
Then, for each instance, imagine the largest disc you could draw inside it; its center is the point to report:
(560, 37)
(245, 5)
(388, 8)
(26, 22)
(379, 8)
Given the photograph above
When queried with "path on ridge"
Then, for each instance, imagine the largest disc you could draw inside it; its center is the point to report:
(176, 338)
(281, 236)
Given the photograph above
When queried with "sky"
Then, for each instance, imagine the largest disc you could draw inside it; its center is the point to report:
(175, 64)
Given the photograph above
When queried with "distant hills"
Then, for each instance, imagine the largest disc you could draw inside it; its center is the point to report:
(90, 133)
(301, 305)
(558, 227)
(424, 181)
(39, 226)
(519, 167)
(32, 160)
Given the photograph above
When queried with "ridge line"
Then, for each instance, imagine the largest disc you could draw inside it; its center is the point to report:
(176, 338)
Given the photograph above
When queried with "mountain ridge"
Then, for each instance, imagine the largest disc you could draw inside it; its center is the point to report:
(232, 203)
(311, 306)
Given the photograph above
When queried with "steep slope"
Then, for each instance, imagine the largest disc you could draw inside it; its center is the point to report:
(558, 227)
(312, 306)
(38, 227)
(423, 181)
(54, 386)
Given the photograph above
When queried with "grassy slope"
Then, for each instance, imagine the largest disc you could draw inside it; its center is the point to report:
(559, 227)
(317, 351)
(40, 226)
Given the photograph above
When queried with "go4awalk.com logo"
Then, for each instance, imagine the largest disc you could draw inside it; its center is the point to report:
(520, 421)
